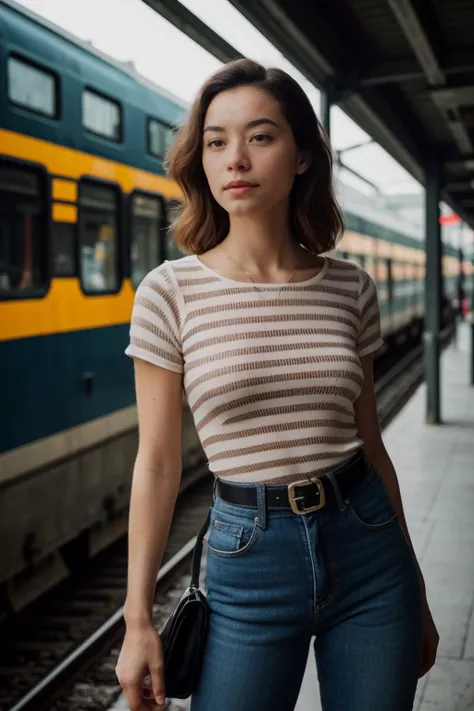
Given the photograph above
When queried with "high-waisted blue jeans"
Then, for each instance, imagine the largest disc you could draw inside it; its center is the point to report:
(345, 574)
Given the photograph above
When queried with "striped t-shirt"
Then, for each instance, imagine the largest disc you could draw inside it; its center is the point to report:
(270, 376)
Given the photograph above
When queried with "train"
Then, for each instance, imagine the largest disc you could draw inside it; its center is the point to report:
(85, 213)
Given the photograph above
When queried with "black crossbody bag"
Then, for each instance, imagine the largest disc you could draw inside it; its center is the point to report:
(184, 633)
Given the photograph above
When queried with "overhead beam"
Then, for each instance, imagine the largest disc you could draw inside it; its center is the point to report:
(458, 186)
(420, 43)
(405, 69)
(341, 164)
(274, 23)
(194, 28)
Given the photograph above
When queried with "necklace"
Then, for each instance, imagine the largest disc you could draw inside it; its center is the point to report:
(255, 286)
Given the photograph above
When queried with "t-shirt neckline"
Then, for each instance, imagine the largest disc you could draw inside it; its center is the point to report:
(268, 285)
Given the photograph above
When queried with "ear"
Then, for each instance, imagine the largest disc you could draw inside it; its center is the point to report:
(303, 161)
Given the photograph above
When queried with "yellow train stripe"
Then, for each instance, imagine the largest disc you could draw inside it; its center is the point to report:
(64, 213)
(76, 164)
(65, 308)
(64, 190)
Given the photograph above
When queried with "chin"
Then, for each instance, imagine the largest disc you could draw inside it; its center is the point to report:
(242, 210)
(247, 208)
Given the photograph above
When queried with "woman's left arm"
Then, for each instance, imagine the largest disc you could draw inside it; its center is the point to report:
(369, 431)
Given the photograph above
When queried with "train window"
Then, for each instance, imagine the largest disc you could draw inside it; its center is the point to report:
(159, 138)
(147, 215)
(101, 115)
(32, 87)
(98, 237)
(23, 221)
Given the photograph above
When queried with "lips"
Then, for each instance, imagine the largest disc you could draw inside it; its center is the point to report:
(240, 184)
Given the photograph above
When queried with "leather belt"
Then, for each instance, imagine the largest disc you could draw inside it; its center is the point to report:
(303, 496)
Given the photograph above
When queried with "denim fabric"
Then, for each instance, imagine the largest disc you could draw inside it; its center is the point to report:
(345, 574)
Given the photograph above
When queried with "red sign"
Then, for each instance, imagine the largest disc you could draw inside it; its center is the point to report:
(451, 219)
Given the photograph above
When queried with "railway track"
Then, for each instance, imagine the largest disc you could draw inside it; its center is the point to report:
(60, 655)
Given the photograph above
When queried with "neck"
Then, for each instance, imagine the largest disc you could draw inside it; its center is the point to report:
(262, 244)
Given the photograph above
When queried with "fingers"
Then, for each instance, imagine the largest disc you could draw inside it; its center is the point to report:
(133, 692)
(158, 685)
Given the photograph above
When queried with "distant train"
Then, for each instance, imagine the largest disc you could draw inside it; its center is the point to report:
(84, 215)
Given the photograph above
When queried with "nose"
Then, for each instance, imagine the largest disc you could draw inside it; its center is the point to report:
(238, 159)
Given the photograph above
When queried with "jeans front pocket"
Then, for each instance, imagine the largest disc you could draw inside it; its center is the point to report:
(370, 505)
(231, 535)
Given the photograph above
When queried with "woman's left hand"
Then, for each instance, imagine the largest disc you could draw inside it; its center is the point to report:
(430, 641)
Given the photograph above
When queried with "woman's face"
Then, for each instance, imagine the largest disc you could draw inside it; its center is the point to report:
(249, 154)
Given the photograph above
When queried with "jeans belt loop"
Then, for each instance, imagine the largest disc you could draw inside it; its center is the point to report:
(337, 492)
(262, 511)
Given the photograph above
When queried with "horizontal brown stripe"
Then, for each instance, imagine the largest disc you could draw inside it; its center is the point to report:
(155, 350)
(282, 462)
(229, 335)
(273, 288)
(264, 318)
(346, 278)
(198, 282)
(278, 427)
(274, 446)
(313, 406)
(275, 377)
(273, 348)
(329, 390)
(369, 341)
(187, 269)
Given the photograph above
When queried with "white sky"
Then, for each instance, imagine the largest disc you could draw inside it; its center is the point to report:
(131, 31)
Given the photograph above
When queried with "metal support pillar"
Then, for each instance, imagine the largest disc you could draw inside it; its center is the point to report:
(433, 289)
(325, 110)
(471, 316)
(472, 338)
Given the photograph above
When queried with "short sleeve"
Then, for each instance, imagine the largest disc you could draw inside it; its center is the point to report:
(155, 323)
(370, 336)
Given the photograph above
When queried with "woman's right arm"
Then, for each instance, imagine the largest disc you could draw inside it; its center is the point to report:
(155, 485)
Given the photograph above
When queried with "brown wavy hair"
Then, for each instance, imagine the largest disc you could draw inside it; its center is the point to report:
(315, 217)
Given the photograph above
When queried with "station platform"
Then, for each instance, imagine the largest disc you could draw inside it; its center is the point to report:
(435, 466)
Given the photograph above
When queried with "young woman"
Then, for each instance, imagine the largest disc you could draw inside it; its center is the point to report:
(273, 344)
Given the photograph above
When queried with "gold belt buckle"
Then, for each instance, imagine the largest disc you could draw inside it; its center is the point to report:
(294, 499)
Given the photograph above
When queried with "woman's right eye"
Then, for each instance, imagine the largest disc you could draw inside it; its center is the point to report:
(216, 141)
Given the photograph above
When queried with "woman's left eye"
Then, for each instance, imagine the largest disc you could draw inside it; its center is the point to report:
(261, 137)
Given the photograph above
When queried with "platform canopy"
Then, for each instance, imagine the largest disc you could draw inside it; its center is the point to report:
(401, 69)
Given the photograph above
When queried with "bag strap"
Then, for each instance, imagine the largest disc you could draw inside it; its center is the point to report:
(196, 564)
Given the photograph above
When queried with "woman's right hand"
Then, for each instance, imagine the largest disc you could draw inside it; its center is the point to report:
(142, 655)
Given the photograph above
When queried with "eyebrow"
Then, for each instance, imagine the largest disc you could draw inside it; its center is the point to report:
(250, 124)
